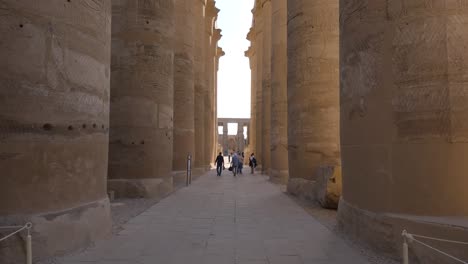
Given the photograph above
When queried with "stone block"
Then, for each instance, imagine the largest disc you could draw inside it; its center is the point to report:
(328, 186)
(302, 188)
(139, 188)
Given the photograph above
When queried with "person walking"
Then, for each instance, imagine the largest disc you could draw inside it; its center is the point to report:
(219, 164)
(252, 163)
(241, 164)
(234, 163)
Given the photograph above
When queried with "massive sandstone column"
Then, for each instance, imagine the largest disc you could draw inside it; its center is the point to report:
(251, 54)
(218, 53)
(313, 88)
(279, 96)
(184, 93)
(266, 87)
(210, 17)
(140, 155)
(200, 86)
(258, 25)
(54, 120)
(404, 121)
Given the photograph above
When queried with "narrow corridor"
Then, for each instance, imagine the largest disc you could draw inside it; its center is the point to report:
(223, 220)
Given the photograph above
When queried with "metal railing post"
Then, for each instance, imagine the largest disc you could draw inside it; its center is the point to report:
(188, 179)
(405, 248)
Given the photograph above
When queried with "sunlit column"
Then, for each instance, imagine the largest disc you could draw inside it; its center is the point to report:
(279, 96)
(313, 91)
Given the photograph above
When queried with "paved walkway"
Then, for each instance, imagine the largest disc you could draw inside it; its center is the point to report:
(223, 220)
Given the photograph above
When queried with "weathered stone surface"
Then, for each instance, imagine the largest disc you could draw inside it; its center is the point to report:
(54, 120)
(403, 108)
(329, 186)
(302, 188)
(279, 98)
(251, 53)
(200, 84)
(258, 31)
(382, 232)
(142, 93)
(313, 87)
(184, 90)
(266, 87)
(211, 40)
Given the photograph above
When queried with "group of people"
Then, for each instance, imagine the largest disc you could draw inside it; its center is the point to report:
(236, 163)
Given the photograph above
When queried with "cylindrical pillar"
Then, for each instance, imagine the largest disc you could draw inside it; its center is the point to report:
(252, 55)
(266, 87)
(200, 85)
(404, 121)
(225, 139)
(240, 137)
(184, 93)
(210, 16)
(54, 121)
(313, 91)
(142, 93)
(258, 24)
(279, 96)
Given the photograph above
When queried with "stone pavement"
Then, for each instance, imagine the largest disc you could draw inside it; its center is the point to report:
(223, 220)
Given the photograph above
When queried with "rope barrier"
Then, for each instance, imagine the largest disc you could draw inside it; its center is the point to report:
(411, 238)
(27, 227)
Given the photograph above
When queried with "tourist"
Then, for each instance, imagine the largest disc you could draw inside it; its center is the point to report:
(252, 163)
(234, 163)
(219, 164)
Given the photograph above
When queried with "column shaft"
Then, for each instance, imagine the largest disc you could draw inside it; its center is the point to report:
(313, 88)
(404, 125)
(266, 87)
(54, 121)
(184, 93)
(200, 84)
(142, 91)
(258, 86)
(279, 96)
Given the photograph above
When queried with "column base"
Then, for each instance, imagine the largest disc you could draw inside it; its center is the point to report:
(302, 188)
(382, 233)
(179, 179)
(57, 233)
(141, 188)
(279, 176)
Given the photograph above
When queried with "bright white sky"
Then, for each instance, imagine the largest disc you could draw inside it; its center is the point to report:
(235, 19)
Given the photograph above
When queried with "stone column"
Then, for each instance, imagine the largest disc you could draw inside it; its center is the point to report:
(210, 16)
(54, 121)
(184, 93)
(313, 88)
(258, 25)
(252, 55)
(200, 85)
(142, 92)
(266, 87)
(225, 139)
(240, 137)
(214, 72)
(279, 96)
(404, 122)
